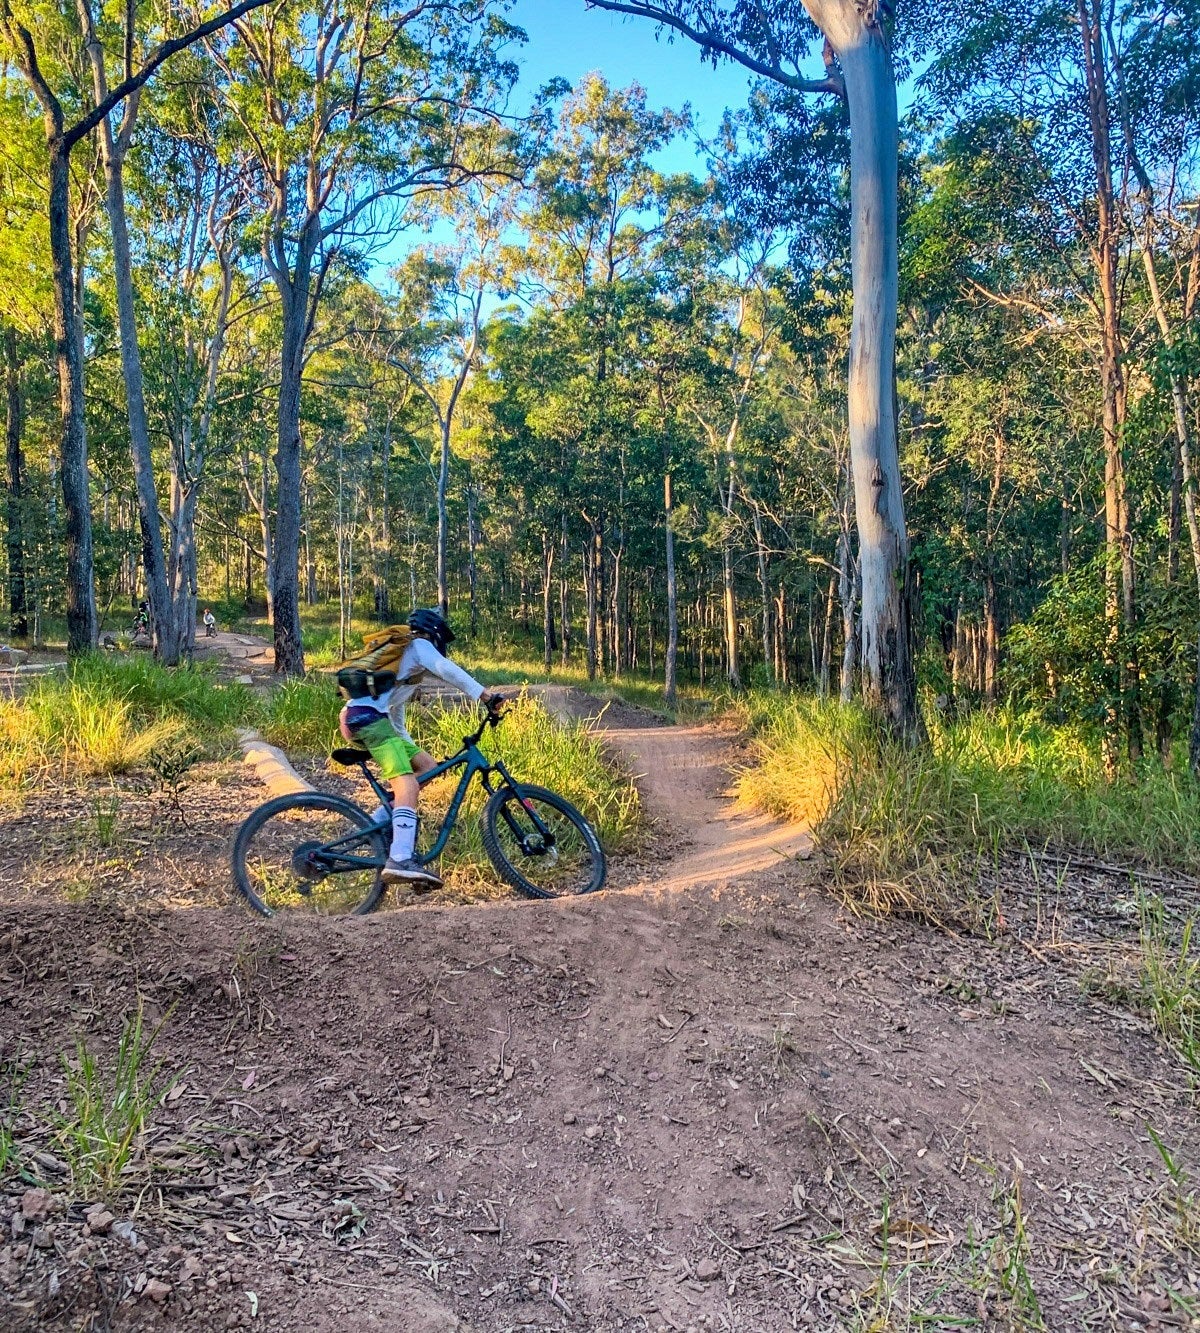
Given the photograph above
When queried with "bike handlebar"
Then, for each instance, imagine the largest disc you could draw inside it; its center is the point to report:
(494, 712)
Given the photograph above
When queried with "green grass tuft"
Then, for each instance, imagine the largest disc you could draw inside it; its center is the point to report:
(1171, 982)
(107, 1110)
(302, 715)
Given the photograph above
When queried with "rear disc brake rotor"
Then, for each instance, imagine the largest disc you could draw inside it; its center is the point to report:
(303, 864)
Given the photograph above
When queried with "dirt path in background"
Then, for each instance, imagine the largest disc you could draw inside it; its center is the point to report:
(685, 783)
(710, 1100)
(683, 773)
(244, 651)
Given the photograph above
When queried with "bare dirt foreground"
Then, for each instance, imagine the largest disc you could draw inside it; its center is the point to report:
(709, 1099)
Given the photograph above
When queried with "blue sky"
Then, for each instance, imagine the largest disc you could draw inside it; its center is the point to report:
(567, 39)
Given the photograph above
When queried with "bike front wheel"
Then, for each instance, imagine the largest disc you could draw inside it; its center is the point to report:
(540, 844)
(310, 852)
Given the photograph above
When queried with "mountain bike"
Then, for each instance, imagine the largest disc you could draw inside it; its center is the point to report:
(316, 852)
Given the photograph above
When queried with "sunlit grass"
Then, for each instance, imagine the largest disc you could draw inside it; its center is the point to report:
(901, 822)
(109, 714)
(302, 715)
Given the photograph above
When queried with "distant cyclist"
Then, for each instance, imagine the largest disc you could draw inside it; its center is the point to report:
(210, 624)
(377, 722)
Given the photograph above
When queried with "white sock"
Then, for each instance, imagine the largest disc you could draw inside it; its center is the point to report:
(404, 833)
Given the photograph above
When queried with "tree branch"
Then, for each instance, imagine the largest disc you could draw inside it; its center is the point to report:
(161, 53)
(707, 39)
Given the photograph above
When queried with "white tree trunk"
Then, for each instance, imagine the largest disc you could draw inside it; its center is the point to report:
(886, 642)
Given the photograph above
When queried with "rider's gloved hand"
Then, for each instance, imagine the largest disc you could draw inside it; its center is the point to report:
(493, 702)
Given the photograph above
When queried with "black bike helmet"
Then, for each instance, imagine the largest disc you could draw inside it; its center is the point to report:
(433, 625)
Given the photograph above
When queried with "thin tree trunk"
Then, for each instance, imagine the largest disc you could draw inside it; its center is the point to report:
(1184, 471)
(1120, 608)
(593, 560)
(548, 643)
(616, 605)
(14, 508)
(763, 589)
(113, 148)
(783, 670)
(443, 482)
(729, 610)
(383, 604)
(283, 575)
(472, 571)
(848, 596)
(310, 568)
(563, 618)
(671, 660)
(73, 459)
(827, 639)
(343, 617)
(991, 640)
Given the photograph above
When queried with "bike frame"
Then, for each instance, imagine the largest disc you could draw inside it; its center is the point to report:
(472, 760)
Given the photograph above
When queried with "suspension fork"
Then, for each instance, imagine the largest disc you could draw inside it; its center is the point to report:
(506, 811)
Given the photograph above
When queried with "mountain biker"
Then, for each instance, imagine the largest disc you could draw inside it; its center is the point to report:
(210, 623)
(378, 724)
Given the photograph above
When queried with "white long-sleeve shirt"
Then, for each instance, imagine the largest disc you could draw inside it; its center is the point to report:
(420, 662)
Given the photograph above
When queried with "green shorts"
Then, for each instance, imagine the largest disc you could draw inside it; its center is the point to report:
(391, 751)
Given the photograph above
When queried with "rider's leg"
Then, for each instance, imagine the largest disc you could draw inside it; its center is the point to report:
(405, 791)
(393, 753)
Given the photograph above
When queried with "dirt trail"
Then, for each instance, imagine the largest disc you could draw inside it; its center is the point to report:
(245, 650)
(683, 773)
(710, 1101)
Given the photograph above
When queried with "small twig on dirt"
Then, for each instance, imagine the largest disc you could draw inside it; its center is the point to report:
(556, 1298)
(859, 1048)
(666, 1041)
(736, 1253)
(507, 1035)
(1125, 872)
(413, 1247)
(247, 1107)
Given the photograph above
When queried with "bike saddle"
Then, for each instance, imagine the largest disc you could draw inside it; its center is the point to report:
(349, 755)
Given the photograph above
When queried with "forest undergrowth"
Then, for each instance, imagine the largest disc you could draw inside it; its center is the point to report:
(943, 833)
(986, 781)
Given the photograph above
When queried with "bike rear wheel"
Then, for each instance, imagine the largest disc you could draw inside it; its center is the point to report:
(562, 861)
(309, 852)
